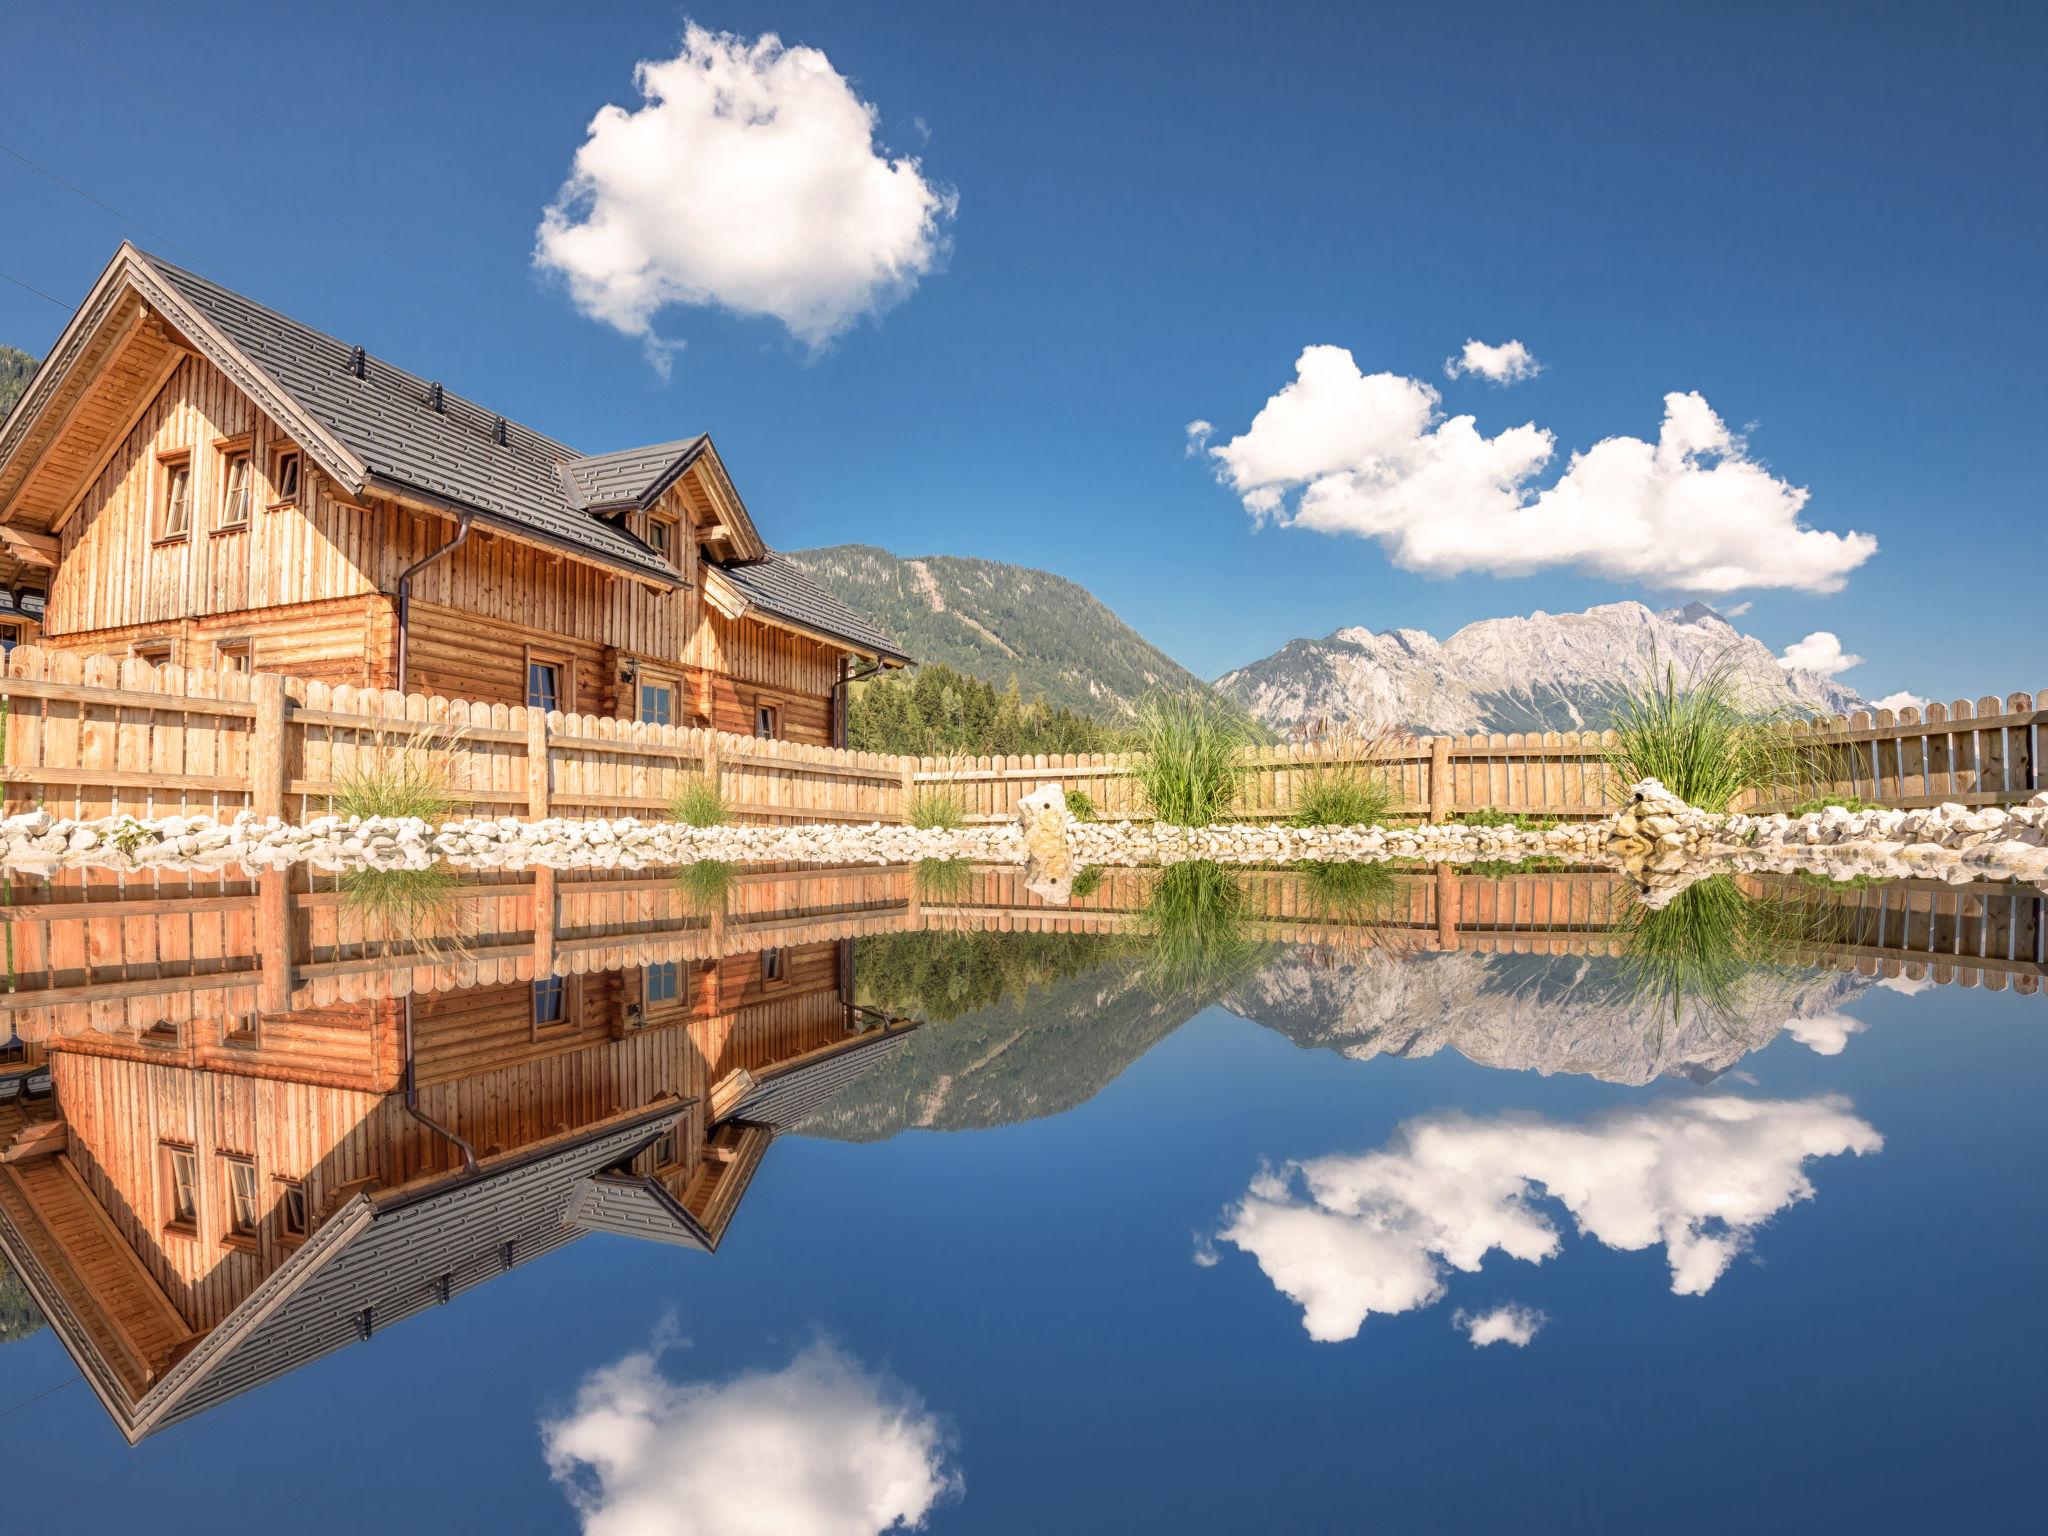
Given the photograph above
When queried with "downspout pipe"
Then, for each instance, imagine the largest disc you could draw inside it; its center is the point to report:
(405, 606)
(412, 1100)
(839, 695)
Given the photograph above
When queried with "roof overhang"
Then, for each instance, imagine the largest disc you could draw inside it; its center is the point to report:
(418, 500)
(724, 595)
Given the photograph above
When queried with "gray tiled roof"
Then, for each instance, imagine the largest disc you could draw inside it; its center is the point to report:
(385, 420)
(786, 1099)
(784, 588)
(632, 477)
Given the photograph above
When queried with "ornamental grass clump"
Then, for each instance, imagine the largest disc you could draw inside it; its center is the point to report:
(941, 880)
(415, 908)
(1342, 796)
(1080, 805)
(936, 810)
(704, 885)
(698, 803)
(1191, 757)
(414, 775)
(1690, 733)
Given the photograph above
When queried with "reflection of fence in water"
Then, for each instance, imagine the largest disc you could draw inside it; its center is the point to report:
(94, 950)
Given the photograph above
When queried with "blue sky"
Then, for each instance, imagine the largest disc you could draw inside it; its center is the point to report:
(1824, 223)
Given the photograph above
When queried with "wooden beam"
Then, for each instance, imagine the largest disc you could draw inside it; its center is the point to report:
(75, 497)
(88, 390)
(38, 549)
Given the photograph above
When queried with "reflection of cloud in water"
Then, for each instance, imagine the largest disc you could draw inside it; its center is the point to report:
(1348, 1236)
(1508, 1323)
(822, 1447)
(1824, 1033)
(1906, 984)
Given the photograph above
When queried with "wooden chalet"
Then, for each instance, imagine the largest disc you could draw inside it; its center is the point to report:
(201, 1206)
(193, 478)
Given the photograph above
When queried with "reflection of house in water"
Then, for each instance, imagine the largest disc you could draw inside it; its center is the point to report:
(202, 1204)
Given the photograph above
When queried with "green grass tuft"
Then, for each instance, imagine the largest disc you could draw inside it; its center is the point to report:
(1191, 757)
(1086, 883)
(1341, 796)
(411, 777)
(936, 810)
(1355, 893)
(705, 885)
(699, 803)
(1080, 805)
(1691, 734)
(414, 907)
(941, 880)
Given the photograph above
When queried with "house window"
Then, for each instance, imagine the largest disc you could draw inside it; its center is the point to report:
(237, 486)
(157, 653)
(771, 966)
(554, 1004)
(547, 683)
(661, 537)
(174, 512)
(181, 1186)
(767, 721)
(241, 1172)
(668, 1151)
(658, 703)
(163, 1032)
(10, 637)
(292, 1211)
(284, 477)
(239, 1030)
(234, 655)
(662, 983)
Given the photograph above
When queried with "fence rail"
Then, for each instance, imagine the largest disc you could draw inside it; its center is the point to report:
(96, 736)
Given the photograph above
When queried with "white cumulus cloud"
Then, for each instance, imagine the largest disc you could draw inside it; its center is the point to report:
(1900, 700)
(821, 1447)
(1349, 1236)
(749, 179)
(1342, 451)
(1819, 652)
(1737, 610)
(1508, 363)
(1825, 1034)
(1509, 1323)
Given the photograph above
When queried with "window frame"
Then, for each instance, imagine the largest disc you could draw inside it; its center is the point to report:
(673, 527)
(248, 1036)
(182, 1221)
(281, 454)
(565, 677)
(676, 1001)
(164, 1035)
(286, 1189)
(235, 453)
(569, 1021)
(238, 646)
(169, 466)
(239, 1230)
(771, 711)
(774, 967)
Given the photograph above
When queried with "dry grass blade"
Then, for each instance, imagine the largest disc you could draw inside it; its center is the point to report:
(418, 774)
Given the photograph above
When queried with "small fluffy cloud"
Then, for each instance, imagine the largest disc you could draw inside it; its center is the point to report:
(1900, 700)
(1737, 610)
(748, 179)
(1508, 363)
(1342, 451)
(821, 1447)
(1346, 1237)
(1825, 1034)
(1198, 434)
(1819, 652)
(1509, 1323)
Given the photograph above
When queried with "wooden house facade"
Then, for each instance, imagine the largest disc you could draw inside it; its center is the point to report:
(193, 478)
(198, 1213)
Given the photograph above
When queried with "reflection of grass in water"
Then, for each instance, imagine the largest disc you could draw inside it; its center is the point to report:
(1087, 882)
(941, 879)
(1703, 949)
(416, 907)
(1196, 923)
(705, 885)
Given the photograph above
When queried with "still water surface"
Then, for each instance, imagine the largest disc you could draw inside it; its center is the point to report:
(1409, 1230)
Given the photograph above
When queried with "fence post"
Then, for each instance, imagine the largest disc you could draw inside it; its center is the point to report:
(273, 938)
(1439, 779)
(1449, 904)
(266, 746)
(909, 788)
(539, 780)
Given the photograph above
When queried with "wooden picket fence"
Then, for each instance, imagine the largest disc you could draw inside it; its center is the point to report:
(97, 736)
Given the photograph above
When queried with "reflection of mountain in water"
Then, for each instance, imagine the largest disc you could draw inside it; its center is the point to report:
(1040, 1049)
(1038, 1024)
(1539, 1013)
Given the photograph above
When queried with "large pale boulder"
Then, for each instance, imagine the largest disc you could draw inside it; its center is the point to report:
(1048, 844)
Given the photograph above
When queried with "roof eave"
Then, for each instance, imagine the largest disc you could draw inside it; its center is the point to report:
(736, 605)
(406, 493)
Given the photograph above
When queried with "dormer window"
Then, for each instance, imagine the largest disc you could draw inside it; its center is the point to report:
(662, 536)
(284, 477)
(237, 486)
